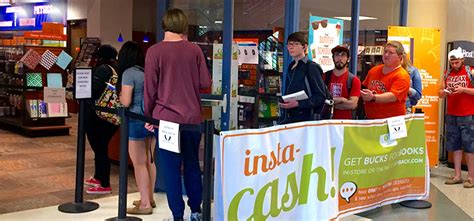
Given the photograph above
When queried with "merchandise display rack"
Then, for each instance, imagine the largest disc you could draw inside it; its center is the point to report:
(260, 86)
(14, 93)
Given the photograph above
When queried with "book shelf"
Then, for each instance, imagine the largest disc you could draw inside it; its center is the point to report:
(16, 93)
(260, 86)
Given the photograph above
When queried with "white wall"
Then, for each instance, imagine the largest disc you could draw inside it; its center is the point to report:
(76, 9)
(107, 18)
(460, 25)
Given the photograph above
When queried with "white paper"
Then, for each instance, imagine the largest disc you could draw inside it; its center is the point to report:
(168, 136)
(83, 84)
(397, 127)
(248, 53)
(300, 95)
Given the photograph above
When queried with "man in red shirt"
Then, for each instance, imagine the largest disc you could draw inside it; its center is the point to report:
(457, 88)
(343, 85)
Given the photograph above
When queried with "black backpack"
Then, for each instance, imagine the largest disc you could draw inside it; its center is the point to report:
(324, 111)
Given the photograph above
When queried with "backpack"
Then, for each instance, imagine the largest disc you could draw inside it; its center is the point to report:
(468, 71)
(325, 111)
(109, 99)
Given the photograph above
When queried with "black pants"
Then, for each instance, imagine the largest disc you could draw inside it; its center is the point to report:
(99, 133)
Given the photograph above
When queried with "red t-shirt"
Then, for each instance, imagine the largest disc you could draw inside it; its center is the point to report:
(459, 104)
(338, 88)
(397, 82)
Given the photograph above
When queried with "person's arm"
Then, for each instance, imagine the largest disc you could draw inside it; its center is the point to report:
(126, 95)
(351, 103)
(459, 90)
(415, 92)
(442, 86)
(127, 88)
(204, 76)
(152, 72)
(315, 80)
(369, 96)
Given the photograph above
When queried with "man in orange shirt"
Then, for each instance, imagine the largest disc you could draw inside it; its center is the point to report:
(386, 86)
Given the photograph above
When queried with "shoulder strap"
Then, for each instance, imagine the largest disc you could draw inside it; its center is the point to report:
(327, 77)
(469, 74)
(350, 78)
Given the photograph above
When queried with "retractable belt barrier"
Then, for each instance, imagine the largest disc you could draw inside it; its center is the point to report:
(78, 206)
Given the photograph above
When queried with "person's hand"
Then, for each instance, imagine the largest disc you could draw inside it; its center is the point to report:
(366, 94)
(149, 127)
(444, 92)
(459, 90)
(338, 100)
(289, 104)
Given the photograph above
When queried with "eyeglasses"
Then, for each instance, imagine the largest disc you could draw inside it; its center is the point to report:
(292, 44)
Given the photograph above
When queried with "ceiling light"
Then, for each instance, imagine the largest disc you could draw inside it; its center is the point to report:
(360, 18)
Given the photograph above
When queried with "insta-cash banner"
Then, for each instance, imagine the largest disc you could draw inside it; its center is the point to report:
(318, 170)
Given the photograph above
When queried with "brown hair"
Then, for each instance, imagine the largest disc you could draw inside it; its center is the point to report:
(400, 51)
(299, 36)
(175, 21)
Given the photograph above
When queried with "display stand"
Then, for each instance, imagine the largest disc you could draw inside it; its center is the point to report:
(16, 93)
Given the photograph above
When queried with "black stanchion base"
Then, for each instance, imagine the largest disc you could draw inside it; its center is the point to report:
(78, 207)
(128, 218)
(416, 204)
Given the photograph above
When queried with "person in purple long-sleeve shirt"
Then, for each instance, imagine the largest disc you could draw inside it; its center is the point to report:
(175, 70)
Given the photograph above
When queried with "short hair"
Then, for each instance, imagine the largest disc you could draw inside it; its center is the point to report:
(299, 36)
(175, 21)
(131, 54)
(398, 47)
(406, 63)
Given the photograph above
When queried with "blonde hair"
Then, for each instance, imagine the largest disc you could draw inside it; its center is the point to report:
(400, 51)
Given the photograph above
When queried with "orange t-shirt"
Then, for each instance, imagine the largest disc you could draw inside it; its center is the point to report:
(459, 104)
(397, 82)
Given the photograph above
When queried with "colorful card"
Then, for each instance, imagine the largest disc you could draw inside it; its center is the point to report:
(63, 60)
(48, 59)
(54, 80)
(31, 59)
(34, 80)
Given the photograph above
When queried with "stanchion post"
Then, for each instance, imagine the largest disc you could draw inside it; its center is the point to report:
(123, 170)
(78, 206)
(207, 182)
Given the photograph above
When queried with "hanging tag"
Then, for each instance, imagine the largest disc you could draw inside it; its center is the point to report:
(168, 136)
(397, 127)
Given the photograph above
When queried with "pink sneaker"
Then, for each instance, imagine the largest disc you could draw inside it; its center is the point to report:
(92, 182)
(97, 190)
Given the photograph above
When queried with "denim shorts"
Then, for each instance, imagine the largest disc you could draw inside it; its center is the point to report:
(136, 130)
(460, 133)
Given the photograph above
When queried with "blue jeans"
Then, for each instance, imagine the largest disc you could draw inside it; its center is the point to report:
(171, 162)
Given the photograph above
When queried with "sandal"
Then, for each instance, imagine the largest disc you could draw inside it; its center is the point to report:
(453, 180)
(138, 202)
(137, 211)
(469, 183)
